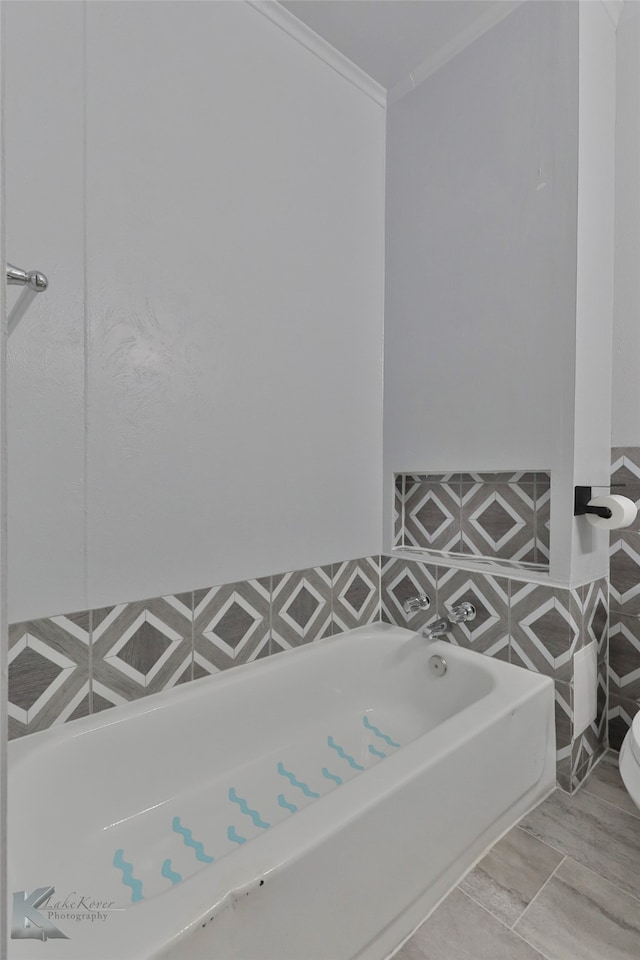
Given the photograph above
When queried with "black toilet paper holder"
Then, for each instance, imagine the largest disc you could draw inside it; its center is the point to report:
(582, 495)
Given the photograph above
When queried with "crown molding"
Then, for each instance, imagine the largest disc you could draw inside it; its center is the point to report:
(460, 42)
(321, 48)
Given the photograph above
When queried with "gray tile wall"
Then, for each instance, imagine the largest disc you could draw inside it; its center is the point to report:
(496, 515)
(528, 624)
(70, 666)
(624, 635)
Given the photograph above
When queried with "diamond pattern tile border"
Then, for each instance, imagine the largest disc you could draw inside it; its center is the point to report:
(138, 648)
(231, 622)
(546, 628)
(499, 520)
(595, 606)
(620, 714)
(496, 515)
(432, 515)
(356, 593)
(301, 607)
(489, 632)
(625, 468)
(401, 580)
(48, 672)
(624, 657)
(625, 573)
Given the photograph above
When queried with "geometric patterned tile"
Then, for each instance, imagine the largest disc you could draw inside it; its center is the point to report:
(499, 520)
(432, 514)
(625, 572)
(138, 647)
(398, 508)
(624, 656)
(489, 632)
(620, 714)
(355, 587)
(542, 517)
(301, 607)
(545, 628)
(595, 606)
(401, 580)
(493, 515)
(564, 718)
(625, 469)
(48, 672)
(231, 623)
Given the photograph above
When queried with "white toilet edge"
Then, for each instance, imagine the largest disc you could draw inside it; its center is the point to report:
(630, 770)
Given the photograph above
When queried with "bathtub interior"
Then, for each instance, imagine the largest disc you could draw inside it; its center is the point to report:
(159, 792)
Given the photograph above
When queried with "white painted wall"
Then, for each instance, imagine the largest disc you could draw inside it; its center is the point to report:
(227, 422)
(595, 279)
(626, 342)
(43, 108)
(481, 260)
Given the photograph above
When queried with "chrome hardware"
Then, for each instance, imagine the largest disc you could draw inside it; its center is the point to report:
(463, 613)
(438, 629)
(33, 283)
(413, 604)
(438, 665)
(37, 281)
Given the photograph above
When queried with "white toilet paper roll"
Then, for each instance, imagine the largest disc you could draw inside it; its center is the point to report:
(623, 512)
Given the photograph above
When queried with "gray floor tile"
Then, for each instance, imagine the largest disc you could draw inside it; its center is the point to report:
(593, 832)
(461, 930)
(511, 874)
(605, 782)
(580, 915)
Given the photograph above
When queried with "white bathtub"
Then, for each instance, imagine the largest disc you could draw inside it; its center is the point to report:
(210, 821)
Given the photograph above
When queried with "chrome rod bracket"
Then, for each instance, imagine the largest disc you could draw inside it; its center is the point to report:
(33, 278)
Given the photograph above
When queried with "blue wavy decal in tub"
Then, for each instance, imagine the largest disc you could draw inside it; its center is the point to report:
(197, 847)
(297, 783)
(170, 874)
(379, 733)
(285, 803)
(255, 816)
(344, 756)
(376, 753)
(331, 776)
(127, 876)
(234, 837)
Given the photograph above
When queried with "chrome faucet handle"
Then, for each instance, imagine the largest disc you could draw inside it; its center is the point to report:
(413, 604)
(463, 613)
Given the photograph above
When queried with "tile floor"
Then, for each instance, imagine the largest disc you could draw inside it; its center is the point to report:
(564, 884)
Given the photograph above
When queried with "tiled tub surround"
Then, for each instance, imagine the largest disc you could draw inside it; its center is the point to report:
(69, 666)
(624, 635)
(65, 667)
(529, 624)
(497, 515)
(377, 753)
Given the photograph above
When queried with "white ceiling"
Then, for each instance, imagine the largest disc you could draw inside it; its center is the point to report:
(388, 39)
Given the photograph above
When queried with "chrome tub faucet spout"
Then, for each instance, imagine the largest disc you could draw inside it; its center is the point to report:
(463, 613)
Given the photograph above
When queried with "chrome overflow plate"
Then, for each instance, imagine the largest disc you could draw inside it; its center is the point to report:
(437, 665)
